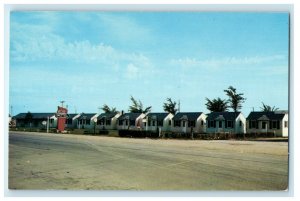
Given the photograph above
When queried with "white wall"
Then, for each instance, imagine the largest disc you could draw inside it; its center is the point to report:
(242, 128)
(166, 125)
(201, 128)
(285, 131)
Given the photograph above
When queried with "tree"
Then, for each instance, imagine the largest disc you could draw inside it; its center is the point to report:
(28, 118)
(107, 109)
(216, 105)
(137, 107)
(268, 108)
(235, 100)
(170, 106)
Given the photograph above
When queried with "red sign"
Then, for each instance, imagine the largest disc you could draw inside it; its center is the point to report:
(61, 115)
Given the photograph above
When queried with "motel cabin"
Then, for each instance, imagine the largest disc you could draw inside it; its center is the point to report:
(107, 120)
(268, 122)
(87, 120)
(35, 120)
(226, 122)
(71, 121)
(130, 121)
(161, 122)
(186, 122)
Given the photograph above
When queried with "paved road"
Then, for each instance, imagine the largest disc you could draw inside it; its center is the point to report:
(55, 161)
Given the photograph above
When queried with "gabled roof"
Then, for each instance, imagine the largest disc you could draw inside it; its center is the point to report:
(191, 116)
(157, 116)
(71, 116)
(86, 116)
(130, 116)
(265, 116)
(107, 115)
(223, 116)
(35, 115)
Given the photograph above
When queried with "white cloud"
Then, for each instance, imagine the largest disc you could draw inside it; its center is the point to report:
(132, 71)
(226, 61)
(38, 43)
(124, 28)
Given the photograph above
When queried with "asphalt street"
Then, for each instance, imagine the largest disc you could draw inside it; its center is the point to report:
(56, 161)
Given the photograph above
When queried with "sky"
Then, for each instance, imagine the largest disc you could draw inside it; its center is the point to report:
(89, 59)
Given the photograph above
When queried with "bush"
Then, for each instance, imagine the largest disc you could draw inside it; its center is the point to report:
(138, 134)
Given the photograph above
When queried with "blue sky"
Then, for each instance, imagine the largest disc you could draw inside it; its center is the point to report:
(93, 58)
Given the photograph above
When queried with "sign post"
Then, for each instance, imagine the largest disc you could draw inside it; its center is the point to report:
(95, 121)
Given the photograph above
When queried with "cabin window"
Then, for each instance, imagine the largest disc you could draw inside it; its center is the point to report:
(108, 122)
(220, 124)
(153, 123)
(202, 122)
(183, 124)
(51, 121)
(252, 124)
(240, 123)
(264, 125)
(170, 122)
(120, 122)
(177, 123)
(160, 123)
(132, 122)
(274, 124)
(126, 123)
(285, 124)
(211, 124)
(191, 123)
(88, 121)
(229, 124)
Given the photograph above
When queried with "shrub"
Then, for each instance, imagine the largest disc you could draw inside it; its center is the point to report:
(137, 134)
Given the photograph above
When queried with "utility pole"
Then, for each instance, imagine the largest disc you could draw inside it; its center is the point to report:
(11, 110)
(178, 105)
(48, 124)
(62, 103)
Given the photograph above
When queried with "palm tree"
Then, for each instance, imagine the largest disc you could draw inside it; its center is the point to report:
(170, 106)
(268, 108)
(107, 109)
(137, 107)
(235, 100)
(216, 105)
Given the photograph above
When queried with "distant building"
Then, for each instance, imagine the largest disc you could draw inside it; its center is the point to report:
(87, 120)
(225, 122)
(185, 122)
(36, 120)
(108, 120)
(158, 122)
(71, 121)
(268, 122)
(131, 121)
